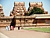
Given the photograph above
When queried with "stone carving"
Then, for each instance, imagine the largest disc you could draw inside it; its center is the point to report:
(1, 11)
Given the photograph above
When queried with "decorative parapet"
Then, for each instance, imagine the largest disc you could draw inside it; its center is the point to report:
(25, 20)
(5, 21)
(25, 17)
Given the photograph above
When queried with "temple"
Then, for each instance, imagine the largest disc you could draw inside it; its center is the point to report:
(17, 16)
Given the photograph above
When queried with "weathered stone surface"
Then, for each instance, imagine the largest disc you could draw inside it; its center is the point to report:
(1, 11)
(36, 4)
(18, 9)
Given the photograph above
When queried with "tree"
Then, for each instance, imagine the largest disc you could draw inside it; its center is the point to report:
(35, 10)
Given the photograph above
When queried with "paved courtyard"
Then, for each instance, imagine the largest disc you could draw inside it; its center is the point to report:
(24, 34)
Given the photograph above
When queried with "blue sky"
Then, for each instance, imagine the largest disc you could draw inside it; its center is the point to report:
(9, 4)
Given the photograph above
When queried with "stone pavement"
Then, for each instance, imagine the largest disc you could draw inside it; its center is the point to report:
(24, 34)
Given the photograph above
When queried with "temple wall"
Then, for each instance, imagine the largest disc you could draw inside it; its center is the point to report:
(4, 24)
(43, 22)
(20, 21)
(24, 21)
(5, 21)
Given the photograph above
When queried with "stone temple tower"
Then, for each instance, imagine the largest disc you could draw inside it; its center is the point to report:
(19, 9)
(38, 5)
(1, 11)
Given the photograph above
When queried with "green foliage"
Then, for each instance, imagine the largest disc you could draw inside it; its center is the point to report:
(35, 10)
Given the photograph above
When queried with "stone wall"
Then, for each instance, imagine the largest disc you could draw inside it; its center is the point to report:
(19, 20)
(5, 21)
(25, 21)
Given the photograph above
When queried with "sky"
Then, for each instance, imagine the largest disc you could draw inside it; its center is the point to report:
(9, 4)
